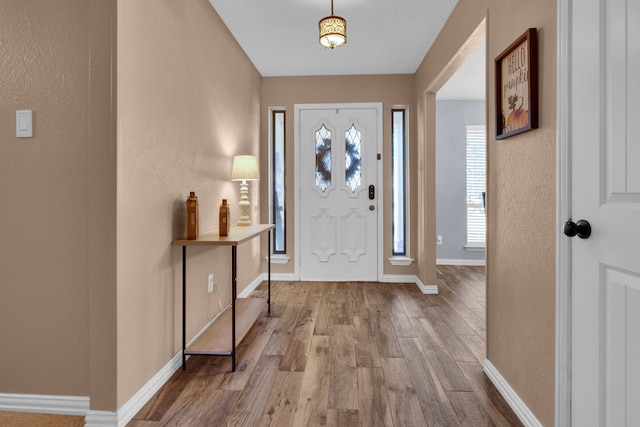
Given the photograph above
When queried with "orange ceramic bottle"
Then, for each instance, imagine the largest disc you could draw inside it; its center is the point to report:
(225, 218)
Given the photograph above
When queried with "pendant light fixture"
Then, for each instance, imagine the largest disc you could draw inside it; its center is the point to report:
(333, 30)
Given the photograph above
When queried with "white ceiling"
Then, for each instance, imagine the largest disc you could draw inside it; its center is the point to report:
(383, 36)
(468, 82)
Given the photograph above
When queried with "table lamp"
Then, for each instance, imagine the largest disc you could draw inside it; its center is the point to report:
(245, 168)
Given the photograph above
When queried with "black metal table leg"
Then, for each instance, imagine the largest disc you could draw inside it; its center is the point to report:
(184, 306)
(269, 274)
(234, 277)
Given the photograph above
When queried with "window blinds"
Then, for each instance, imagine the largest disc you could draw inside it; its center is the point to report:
(476, 181)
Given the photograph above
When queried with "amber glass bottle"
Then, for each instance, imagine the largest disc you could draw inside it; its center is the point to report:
(192, 217)
(225, 218)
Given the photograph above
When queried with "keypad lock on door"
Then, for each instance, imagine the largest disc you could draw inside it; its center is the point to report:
(372, 192)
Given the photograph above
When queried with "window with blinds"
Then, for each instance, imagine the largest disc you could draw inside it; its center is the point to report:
(476, 181)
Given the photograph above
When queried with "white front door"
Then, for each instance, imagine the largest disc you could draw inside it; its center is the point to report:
(603, 111)
(338, 182)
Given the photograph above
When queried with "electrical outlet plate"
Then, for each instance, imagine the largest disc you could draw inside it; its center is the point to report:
(439, 239)
(210, 283)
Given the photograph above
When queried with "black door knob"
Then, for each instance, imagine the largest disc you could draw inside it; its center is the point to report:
(582, 229)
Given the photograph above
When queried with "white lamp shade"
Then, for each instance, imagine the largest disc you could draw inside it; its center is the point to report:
(245, 168)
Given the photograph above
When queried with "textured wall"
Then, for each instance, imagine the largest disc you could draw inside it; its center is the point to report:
(521, 190)
(522, 181)
(391, 90)
(57, 252)
(44, 53)
(188, 101)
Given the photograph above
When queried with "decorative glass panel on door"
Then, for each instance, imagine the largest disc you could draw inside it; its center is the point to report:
(323, 158)
(352, 158)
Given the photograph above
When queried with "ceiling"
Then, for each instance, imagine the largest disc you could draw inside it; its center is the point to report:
(468, 82)
(383, 36)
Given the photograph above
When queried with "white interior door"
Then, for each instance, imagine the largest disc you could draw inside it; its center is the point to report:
(338, 182)
(604, 107)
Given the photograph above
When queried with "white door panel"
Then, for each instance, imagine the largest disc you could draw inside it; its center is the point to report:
(605, 185)
(620, 322)
(338, 220)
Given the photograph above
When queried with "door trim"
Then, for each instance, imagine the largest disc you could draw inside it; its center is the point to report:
(297, 189)
(563, 212)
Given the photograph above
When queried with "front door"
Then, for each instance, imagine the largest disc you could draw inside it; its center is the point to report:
(339, 192)
(604, 107)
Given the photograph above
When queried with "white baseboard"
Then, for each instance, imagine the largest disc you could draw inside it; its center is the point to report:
(471, 262)
(253, 285)
(519, 407)
(277, 259)
(387, 278)
(399, 278)
(101, 419)
(284, 277)
(146, 392)
(411, 278)
(43, 404)
(426, 289)
(79, 405)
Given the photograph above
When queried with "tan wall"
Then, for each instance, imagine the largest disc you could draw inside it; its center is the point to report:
(182, 115)
(521, 198)
(188, 101)
(391, 90)
(58, 237)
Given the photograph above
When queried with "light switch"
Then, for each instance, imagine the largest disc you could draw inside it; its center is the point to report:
(24, 123)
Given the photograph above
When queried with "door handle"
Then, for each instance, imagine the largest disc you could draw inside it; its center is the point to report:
(582, 229)
(371, 207)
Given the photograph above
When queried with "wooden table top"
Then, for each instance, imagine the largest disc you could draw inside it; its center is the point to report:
(237, 235)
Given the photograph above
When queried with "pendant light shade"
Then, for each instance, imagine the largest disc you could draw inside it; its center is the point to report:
(333, 30)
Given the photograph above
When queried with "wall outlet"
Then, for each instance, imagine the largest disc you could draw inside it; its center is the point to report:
(439, 239)
(210, 284)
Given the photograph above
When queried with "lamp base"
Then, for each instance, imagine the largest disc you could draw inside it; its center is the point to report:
(244, 205)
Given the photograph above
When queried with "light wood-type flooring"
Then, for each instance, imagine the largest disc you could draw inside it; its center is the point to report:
(347, 354)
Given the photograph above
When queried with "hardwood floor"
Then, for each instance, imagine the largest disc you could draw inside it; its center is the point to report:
(347, 354)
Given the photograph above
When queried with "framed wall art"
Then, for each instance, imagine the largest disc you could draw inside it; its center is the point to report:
(517, 86)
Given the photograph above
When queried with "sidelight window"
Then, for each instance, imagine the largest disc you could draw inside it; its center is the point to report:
(277, 181)
(399, 179)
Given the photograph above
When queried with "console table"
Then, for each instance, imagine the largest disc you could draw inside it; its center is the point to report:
(217, 340)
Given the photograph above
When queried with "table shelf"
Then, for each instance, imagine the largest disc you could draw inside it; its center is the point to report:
(223, 336)
(216, 339)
